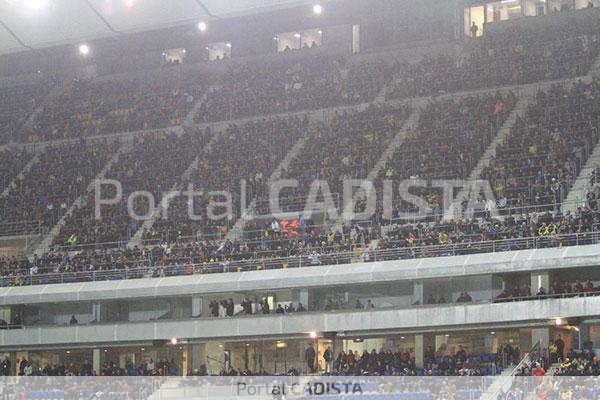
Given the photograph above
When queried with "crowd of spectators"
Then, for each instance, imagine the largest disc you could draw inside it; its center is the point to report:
(60, 176)
(514, 232)
(448, 142)
(12, 162)
(557, 289)
(347, 147)
(288, 84)
(16, 104)
(153, 164)
(89, 108)
(250, 151)
(539, 160)
(519, 56)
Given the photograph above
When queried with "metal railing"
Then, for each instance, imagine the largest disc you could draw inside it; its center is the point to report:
(509, 380)
(145, 268)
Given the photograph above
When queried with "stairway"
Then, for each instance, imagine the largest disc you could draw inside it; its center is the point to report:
(51, 96)
(181, 184)
(581, 186)
(411, 122)
(490, 391)
(238, 227)
(34, 160)
(46, 243)
(520, 108)
(189, 118)
(595, 68)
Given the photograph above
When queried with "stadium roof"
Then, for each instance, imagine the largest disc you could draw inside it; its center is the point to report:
(34, 24)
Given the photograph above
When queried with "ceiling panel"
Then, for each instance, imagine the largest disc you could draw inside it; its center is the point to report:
(230, 8)
(8, 44)
(46, 23)
(137, 15)
(53, 22)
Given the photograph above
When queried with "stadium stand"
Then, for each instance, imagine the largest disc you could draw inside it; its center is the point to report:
(92, 108)
(546, 149)
(307, 115)
(16, 104)
(60, 176)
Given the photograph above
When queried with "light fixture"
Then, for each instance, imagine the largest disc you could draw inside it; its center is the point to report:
(312, 335)
(558, 321)
(183, 51)
(320, 32)
(143, 349)
(202, 26)
(247, 344)
(68, 351)
(576, 328)
(402, 337)
(447, 335)
(317, 9)
(275, 38)
(174, 341)
(492, 333)
(228, 44)
(33, 4)
(221, 346)
(297, 35)
(84, 49)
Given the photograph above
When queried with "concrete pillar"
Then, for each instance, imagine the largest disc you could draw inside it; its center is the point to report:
(196, 306)
(185, 364)
(540, 279)
(584, 334)
(541, 335)
(303, 297)
(96, 307)
(419, 350)
(196, 356)
(96, 360)
(418, 292)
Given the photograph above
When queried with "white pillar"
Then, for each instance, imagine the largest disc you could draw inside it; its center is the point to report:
(418, 293)
(96, 360)
(196, 306)
(540, 279)
(419, 351)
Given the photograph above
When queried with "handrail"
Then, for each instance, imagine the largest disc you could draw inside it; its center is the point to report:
(358, 254)
(258, 314)
(510, 378)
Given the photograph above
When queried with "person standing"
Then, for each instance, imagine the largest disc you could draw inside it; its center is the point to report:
(328, 357)
(474, 30)
(309, 356)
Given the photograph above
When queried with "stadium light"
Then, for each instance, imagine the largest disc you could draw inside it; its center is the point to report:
(317, 9)
(84, 49)
(202, 26)
(33, 4)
